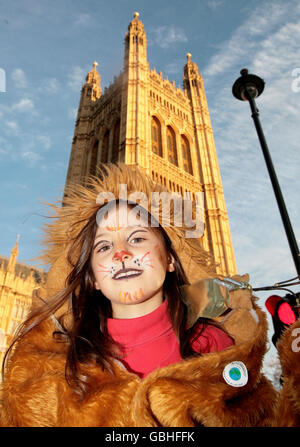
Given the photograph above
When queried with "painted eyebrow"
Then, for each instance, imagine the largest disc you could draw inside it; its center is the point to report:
(103, 240)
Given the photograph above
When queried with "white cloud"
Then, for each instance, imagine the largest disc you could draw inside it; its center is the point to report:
(2, 80)
(31, 157)
(44, 140)
(3, 151)
(19, 78)
(52, 166)
(24, 105)
(174, 67)
(214, 4)
(12, 126)
(82, 19)
(50, 85)
(14, 186)
(245, 40)
(76, 78)
(164, 36)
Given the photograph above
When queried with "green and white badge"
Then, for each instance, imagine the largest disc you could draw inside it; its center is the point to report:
(235, 374)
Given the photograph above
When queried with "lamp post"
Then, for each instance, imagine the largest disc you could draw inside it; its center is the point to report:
(247, 88)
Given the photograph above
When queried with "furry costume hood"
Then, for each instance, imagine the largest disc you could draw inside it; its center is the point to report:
(81, 202)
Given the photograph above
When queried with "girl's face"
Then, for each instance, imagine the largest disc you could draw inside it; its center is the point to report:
(129, 262)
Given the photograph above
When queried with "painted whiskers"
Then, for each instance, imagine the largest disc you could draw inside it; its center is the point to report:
(111, 269)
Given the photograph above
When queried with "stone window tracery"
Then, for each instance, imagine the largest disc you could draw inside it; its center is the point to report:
(186, 155)
(116, 141)
(93, 159)
(105, 143)
(171, 145)
(156, 136)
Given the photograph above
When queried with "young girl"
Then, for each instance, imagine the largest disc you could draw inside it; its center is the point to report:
(136, 269)
(110, 346)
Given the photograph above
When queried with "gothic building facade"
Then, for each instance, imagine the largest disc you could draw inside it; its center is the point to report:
(143, 119)
(17, 283)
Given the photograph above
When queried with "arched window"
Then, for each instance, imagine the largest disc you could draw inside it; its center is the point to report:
(116, 141)
(156, 136)
(186, 155)
(104, 148)
(171, 144)
(93, 159)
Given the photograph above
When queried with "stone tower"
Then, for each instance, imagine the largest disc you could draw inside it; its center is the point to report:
(17, 284)
(143, 119)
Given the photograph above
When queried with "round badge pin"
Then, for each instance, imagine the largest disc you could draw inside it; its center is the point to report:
(235, 374)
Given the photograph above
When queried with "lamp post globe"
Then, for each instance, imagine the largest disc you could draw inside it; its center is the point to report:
(247, 83)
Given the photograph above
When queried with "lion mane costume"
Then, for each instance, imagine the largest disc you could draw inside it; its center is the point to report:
(190, 393)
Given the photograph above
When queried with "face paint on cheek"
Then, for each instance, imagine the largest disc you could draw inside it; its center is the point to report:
(109, 269)
(145, 260)
(142, 260)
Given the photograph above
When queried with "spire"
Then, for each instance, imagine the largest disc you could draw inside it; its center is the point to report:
(136, 27)
(93, 83)
(190, 68)
(13, 256)
(135, 42)
(191, 77)
(136, 24)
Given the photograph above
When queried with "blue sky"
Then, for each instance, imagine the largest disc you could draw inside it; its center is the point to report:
(47, 48)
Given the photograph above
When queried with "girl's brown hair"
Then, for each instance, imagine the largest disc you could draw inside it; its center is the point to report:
(88, 341)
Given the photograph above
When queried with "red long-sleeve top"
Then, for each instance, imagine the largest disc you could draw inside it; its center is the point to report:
(150, 342)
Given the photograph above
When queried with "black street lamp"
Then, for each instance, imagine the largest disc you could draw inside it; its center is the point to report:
(247, 88)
